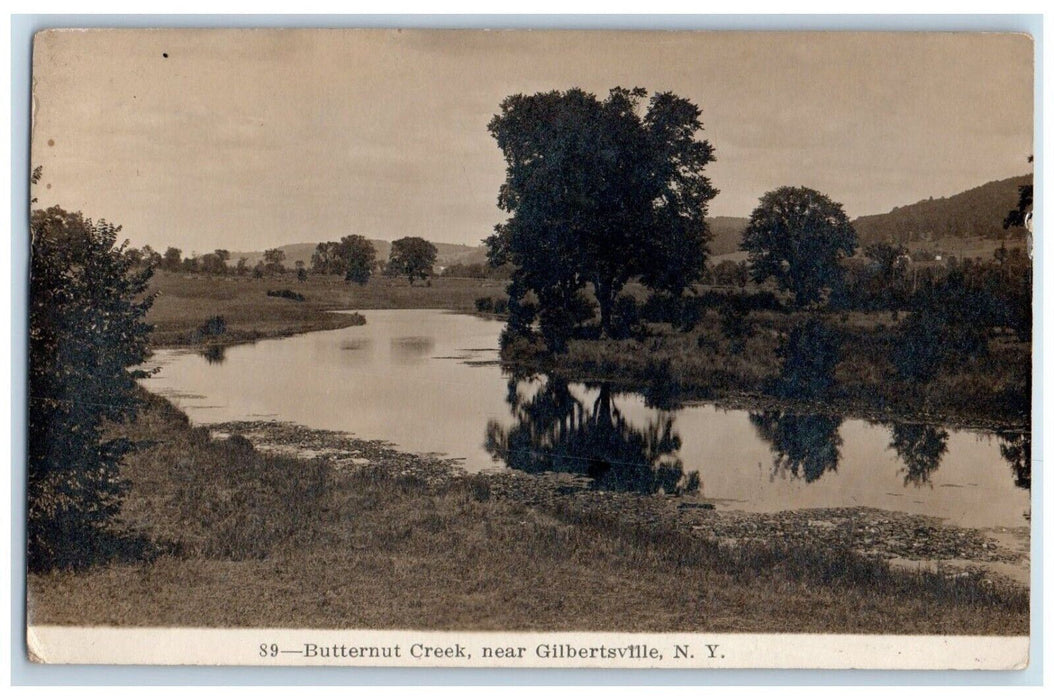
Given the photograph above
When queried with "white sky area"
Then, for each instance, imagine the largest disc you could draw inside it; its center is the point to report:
(247, 139)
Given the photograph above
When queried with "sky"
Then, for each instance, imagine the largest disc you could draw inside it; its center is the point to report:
(248, 139)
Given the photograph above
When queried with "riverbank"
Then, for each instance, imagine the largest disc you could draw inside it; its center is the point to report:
(315, 529)
(185, 302)
(670, 367)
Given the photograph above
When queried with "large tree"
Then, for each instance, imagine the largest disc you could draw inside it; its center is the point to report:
(413, 257)
(358, 256)
(86, 333)
(600, 191)
(797, 236)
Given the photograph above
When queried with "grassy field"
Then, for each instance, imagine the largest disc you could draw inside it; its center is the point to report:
(185, 301)
(242, 538)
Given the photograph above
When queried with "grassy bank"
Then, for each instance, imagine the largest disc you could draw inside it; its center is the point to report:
(370, 537)
(185, 301)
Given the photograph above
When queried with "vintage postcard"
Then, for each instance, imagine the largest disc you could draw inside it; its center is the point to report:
(542, 349)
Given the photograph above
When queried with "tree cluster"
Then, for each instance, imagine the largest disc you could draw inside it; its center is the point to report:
(352, 256)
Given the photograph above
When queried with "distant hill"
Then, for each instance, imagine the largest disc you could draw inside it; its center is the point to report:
(975, 213)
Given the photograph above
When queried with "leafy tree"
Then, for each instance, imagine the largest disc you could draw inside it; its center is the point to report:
(242, 267)
(353, 256)
(359, 256)
(134, 255)
(885, 256)
(797, 236)
(413, 257)
(86, 330)
(151, 258)
(301, 271)
(213, 264)
(325, 261)
(600, 191)
(172, 260)
(272, 259)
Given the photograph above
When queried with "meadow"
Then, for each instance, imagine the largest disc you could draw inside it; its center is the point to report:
(186, 301)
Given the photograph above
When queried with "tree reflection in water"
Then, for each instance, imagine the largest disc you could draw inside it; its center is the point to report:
(214, 354)
(558, 432)
(1016, 448)
(921, 448)
(802, 445)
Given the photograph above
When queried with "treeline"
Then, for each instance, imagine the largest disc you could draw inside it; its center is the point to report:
(217, 262)
(352, 257)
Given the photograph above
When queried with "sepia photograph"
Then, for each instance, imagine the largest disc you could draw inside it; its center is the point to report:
(530, 348)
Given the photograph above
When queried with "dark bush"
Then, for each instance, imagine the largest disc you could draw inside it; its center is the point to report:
(662, 307)
(285, 294)
(214, 326)
(484, 304)
(735, 321)
(625, 317)
(810, 355)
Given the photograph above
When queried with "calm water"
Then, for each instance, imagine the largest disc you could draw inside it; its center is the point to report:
(428, 381)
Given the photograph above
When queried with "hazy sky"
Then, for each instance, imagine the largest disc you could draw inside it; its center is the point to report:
(246, 139)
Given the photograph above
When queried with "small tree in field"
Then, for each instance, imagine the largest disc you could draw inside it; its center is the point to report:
(172, 260)
(272, 259)
(86, 330)
(413, 257)
(797, 236)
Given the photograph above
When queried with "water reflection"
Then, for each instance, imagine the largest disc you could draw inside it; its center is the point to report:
(1016, 448)
(557, 431)
(440, 403)
(921, 448)
(214, 354)
(802, 445)
(412, 349)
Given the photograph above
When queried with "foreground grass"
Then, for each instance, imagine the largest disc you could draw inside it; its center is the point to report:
(185, 301)
(243, 538)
